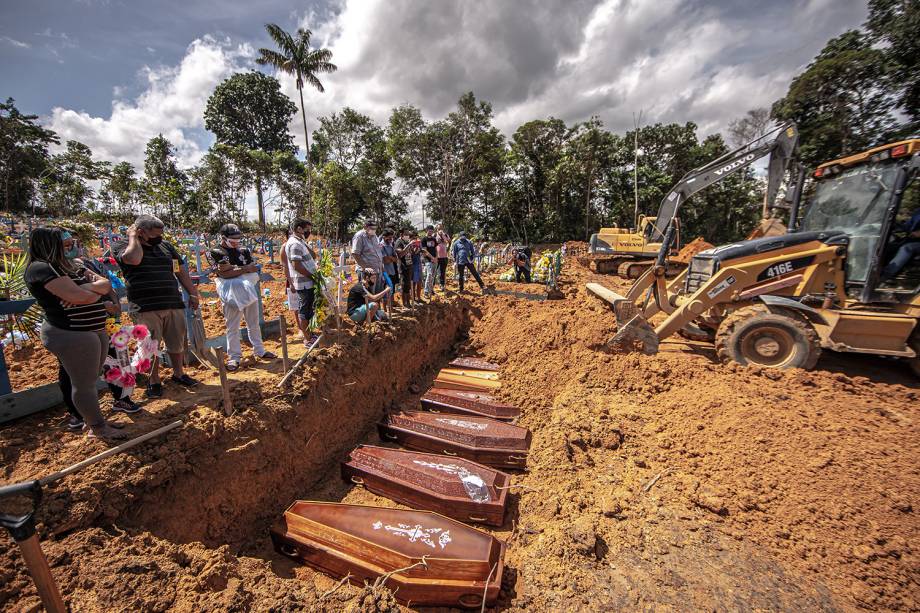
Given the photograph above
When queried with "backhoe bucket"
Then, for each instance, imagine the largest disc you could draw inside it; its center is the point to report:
(634, 333)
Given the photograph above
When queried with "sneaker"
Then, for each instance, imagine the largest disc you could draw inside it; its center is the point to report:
(232, 366)
(154, 390)
(75, 423)
(125, 405)
(184, 380)
(268, 355)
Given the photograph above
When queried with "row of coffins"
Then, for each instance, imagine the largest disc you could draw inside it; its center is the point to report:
(449, 472)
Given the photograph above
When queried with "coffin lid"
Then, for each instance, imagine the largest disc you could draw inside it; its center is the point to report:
(394, 538)
(474, 431)
(472, 401)
(435, 473)
(473, 364)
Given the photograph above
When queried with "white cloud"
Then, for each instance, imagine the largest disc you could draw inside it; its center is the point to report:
(171, 104)
(14, 42)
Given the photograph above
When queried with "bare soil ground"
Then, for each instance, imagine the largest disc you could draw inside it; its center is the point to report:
(670, 482)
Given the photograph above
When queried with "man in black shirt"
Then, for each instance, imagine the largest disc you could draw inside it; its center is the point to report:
(429, 259)
(363, 306)
(152, 268)
(404, 253)
(237, 283)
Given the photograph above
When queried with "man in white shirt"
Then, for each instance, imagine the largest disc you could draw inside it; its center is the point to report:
(301, 267)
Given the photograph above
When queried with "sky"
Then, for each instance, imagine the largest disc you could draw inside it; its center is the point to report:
(115, 73)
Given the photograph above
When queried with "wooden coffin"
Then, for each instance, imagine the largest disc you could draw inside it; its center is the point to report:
(473, 364)
(367, 542)
(480, 439)
(467, 380)
(454, 487)
(439, 400)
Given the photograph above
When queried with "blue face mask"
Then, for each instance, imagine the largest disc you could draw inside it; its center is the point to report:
(72, 253)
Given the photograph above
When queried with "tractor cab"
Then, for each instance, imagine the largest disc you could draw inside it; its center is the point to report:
(865, 199)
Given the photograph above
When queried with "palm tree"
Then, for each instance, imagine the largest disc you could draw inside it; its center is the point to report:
(296, 58)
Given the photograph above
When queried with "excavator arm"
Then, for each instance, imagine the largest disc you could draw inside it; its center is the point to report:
(780, 148)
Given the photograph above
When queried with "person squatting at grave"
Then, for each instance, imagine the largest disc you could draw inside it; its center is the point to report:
(363, 306)
(237, 285)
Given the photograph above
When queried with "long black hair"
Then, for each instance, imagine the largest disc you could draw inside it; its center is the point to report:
(47, 245)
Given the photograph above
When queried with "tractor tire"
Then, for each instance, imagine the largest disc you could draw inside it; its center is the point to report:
(693, 332)
(756, 336)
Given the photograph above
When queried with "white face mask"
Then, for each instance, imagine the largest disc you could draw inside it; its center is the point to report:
(371, 232)
(233, 242)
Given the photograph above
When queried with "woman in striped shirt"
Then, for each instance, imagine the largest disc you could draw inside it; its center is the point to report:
(74, 325)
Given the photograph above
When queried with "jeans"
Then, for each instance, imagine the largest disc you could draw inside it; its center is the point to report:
(460, 273)
(520, 271)
(906, 252)
(430, 272)
(234, 315)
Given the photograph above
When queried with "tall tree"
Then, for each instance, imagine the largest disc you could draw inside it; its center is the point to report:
(65, 187)
(295, 57)
(164, 185)
(121, 189)
(895, 23)
(842, 102)
(248, 110)
(23, 155)
(755, 123)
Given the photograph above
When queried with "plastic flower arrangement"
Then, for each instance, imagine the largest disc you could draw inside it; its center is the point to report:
(323, 279)
(123, 368)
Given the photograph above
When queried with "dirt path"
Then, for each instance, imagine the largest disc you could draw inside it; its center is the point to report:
(666, 482)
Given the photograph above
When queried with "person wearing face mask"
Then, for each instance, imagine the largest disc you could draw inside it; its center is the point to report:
(366, 250)
(301, 267)
(153, 270)
(113, 309)
(235, 264)
(363, 305)
(404, 253)
(390, 262)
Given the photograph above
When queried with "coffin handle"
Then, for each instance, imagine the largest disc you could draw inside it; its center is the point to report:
(392, 437)
(472, 518)
(288, 550)
(357, 480)
(446, 452)
(470, 600)
(517, 457)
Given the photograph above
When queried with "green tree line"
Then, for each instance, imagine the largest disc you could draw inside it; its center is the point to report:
(549, 181)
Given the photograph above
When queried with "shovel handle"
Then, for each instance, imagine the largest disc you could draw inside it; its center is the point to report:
(41, 574)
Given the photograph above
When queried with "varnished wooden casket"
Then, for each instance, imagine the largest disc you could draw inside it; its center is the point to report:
(480, 439)
(438, 400)
(467, 380)
(473, 364)
(454, 487)
(367, 542)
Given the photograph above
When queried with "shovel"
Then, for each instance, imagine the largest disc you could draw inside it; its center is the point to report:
(198, 347)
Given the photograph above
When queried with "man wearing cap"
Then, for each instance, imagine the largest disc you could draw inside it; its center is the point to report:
(235, 265)
(366, 250)
(430, 261)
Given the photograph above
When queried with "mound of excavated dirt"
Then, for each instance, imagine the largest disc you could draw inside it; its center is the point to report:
(675, 480)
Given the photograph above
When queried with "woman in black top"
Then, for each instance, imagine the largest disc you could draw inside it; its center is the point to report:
(74, 325)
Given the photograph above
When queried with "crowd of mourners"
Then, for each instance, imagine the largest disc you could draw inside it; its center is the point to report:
(78, 297)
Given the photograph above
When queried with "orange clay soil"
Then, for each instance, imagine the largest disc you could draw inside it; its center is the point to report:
(669, 482)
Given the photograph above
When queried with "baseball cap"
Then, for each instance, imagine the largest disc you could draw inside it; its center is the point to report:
(230, 230)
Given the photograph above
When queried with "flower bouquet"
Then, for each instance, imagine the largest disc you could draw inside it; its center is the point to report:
(122, 368)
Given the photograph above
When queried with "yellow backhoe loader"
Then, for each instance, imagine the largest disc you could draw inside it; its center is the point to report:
(630, 252)
(829, 283)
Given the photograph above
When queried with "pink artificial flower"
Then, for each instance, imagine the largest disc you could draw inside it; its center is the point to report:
(127, 380)
(140, 332)
(112, 375)
(143, 365)
(120, 339)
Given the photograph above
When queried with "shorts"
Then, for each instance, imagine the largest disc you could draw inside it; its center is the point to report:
(359, 315)
(305, 311)
(167, 325)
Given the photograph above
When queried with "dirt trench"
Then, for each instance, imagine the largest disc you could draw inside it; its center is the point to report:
(187, 506)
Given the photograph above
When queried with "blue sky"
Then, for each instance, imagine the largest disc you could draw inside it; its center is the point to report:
(114, 73)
